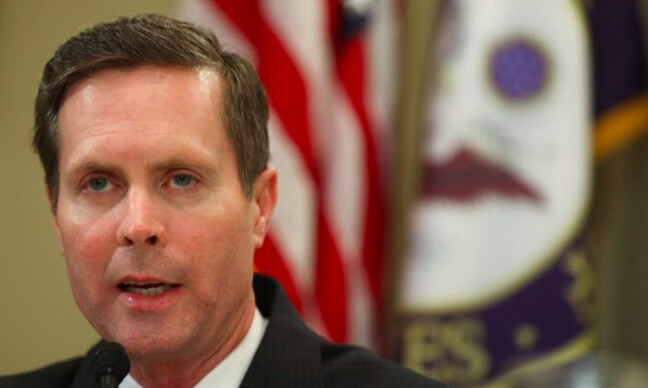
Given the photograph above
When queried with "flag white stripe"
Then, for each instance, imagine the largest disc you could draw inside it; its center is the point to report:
(381, 67)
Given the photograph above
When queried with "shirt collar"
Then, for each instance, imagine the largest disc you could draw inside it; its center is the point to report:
(230, 372)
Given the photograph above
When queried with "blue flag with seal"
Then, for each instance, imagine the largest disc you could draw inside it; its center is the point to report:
(496, 280)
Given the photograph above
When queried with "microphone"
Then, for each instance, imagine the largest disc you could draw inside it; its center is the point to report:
(110, 364)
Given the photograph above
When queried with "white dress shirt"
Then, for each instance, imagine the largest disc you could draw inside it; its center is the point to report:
(228, 373)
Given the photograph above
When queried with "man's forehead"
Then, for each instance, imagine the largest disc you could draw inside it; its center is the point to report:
(131, 80)
(154, 90)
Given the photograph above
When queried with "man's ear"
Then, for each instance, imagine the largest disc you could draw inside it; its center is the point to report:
(264, 192)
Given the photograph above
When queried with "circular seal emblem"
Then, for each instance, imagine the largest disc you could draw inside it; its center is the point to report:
(518, 69)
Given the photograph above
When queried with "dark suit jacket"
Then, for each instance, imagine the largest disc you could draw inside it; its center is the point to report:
(290, 356)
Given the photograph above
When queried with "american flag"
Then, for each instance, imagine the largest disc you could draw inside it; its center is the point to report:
(327, 68)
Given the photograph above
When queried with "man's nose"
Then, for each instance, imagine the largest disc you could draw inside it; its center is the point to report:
(140, 223)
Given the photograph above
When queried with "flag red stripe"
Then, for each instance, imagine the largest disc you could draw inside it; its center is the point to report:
(331, 289)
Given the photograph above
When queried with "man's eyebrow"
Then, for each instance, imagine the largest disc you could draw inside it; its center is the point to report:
(180, 162)
(85, 166)
(82, 167)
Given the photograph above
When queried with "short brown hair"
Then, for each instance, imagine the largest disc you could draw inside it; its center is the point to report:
(156, 40)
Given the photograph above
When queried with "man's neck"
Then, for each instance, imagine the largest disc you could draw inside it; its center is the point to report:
(186, 373)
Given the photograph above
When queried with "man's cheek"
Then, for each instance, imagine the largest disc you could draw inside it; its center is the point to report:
(88, 240)
(87, 255)
(82, 278)
(82, 295)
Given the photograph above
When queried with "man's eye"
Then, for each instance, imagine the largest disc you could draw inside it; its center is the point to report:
(98, 184)
(182, 181)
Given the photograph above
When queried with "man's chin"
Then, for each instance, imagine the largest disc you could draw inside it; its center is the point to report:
(150, 349)
(146, 343)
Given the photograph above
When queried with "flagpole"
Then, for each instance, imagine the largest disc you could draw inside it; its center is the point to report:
(416, 40)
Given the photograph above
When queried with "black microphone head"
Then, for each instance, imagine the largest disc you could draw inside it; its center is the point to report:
(110, 359)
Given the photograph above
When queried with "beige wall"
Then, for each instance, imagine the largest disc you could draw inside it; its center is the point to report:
(39, 322)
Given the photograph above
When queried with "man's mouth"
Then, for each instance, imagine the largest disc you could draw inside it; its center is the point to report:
(146, 289)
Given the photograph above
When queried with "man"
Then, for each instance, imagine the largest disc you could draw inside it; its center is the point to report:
(155, 150)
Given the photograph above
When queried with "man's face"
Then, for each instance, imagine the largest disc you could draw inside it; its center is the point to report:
(156, 231)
